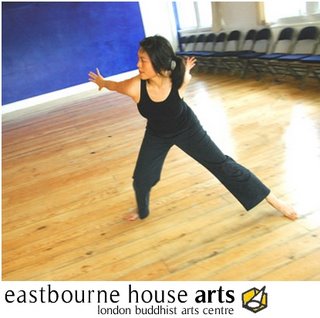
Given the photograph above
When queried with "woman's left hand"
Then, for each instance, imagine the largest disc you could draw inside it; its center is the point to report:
(190, 63)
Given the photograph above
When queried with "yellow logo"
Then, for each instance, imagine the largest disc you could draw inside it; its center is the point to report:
(255, 299)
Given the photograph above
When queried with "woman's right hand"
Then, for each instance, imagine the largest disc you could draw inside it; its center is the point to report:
(129, 87)
(97, 78)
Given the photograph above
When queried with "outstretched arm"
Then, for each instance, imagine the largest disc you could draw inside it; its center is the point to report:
(190, 63)
(129, 87)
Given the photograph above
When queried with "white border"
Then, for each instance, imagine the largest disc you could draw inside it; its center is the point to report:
(67, 92)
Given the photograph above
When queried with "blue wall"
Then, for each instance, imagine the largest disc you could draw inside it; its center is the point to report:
(53, 45)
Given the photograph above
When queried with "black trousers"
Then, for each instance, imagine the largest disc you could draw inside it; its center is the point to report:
(242, 183)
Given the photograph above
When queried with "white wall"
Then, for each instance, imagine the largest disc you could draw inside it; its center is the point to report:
(158, 18)
(245, 15)
(238, 15)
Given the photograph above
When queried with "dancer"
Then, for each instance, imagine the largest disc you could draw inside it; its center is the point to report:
(158, 91)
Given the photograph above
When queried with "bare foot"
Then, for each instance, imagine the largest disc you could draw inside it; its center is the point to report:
(131, 217)
(285, 209)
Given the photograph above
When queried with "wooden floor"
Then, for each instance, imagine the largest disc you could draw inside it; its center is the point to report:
(67, 168)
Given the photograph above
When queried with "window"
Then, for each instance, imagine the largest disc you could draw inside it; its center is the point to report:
(275, 10)
(193, 15)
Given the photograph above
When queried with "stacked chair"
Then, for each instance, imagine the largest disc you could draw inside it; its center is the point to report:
(206, 58)
(260, 47)
(187, 44)
(197, 45)
(312, 65)
(281, 47)
(288, 64)
(230, 60)
(208, 45)
(231, 46)
(203, 44)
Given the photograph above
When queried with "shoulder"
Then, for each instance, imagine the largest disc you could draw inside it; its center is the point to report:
(134, 80)
(132, 83)
(131, 87)
(136, 88)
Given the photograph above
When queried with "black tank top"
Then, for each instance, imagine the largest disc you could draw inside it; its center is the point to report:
(167, 117)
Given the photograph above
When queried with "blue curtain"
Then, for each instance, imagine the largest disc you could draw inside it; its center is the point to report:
(53, 45)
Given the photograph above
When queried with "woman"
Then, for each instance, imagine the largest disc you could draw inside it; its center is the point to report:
(158, 91)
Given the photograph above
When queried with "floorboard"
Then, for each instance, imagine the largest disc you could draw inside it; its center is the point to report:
(67, 183)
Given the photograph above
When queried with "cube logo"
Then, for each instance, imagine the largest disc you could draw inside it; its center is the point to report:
(255, 300)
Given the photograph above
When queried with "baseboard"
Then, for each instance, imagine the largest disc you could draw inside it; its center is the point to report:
(67, 92)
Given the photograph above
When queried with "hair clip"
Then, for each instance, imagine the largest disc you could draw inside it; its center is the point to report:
(173, 65)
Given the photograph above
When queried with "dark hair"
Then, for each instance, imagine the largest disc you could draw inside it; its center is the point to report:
(163, 58)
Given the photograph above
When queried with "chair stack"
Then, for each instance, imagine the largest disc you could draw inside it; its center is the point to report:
(293, 53)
